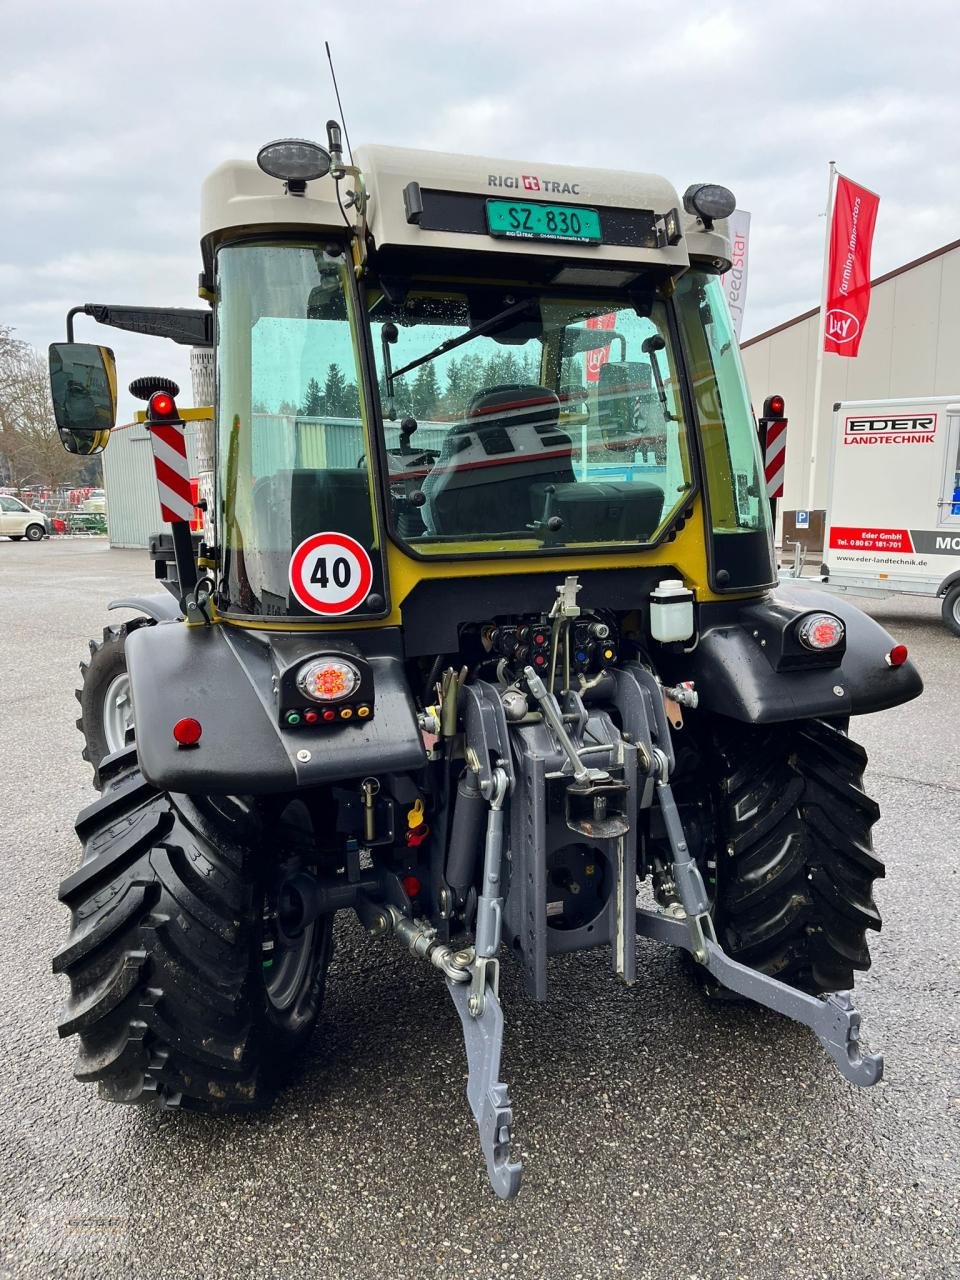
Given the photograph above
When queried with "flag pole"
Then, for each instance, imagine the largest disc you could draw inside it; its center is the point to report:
(818, 381)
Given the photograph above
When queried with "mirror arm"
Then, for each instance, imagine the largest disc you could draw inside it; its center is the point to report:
(74, 311)
(181, 324)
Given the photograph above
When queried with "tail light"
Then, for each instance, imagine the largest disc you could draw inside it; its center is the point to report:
(328, 679)
(819, 631)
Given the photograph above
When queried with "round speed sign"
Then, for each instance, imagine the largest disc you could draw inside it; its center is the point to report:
(330, 573)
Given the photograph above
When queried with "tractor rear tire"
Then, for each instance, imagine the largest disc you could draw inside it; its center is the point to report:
(795, 866)
(104, 695)
(173, 991)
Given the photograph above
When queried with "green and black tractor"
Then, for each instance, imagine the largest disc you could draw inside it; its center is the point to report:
(482, 632)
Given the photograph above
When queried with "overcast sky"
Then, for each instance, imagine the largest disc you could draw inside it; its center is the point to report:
(114, 110)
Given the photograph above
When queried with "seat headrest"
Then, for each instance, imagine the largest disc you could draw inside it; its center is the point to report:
(520, 402)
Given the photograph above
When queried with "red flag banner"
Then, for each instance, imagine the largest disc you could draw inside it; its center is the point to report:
(848, 282)
(599, 356)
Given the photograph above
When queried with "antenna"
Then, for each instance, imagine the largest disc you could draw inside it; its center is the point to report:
(333, 77)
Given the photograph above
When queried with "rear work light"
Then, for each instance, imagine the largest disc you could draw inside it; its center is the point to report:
(820, 631)
(328, 679)
(897, 656)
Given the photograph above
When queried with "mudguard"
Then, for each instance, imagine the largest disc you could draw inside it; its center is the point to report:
(224, 678)
(736, 674)
(161, 606)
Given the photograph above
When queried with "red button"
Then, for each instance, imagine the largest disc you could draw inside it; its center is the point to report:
(539, 638)
(329, 715)
(539, 660)
(311, 717)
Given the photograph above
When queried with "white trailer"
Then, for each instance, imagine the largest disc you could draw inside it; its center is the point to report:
(893, 501)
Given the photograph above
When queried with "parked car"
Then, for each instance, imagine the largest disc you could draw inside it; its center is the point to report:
(95, 503)
(17, 520)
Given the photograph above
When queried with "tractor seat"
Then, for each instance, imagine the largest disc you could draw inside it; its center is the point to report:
(509, 441)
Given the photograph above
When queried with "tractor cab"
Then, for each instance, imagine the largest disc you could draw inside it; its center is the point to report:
(486, 370)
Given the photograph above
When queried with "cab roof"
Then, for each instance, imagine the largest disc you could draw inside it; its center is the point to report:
(434, 201)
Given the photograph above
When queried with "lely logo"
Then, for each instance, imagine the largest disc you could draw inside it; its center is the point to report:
(841, 325)
(530, 184)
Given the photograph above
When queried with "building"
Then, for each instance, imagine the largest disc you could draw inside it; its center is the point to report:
(910, 347)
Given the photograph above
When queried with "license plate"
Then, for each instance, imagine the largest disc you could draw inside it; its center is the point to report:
(524, 220)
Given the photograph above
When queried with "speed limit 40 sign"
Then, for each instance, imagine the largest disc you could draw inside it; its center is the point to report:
(330, 573)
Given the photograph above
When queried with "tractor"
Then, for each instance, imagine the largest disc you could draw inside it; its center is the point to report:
(482, 639)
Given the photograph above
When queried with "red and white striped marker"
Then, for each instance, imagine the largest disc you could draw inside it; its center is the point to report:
(172, 470)
(775, 456)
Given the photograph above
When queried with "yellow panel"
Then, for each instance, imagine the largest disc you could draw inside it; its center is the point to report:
(187, 415)
(687, 553)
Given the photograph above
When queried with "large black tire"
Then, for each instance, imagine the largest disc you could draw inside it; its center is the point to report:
(170, 958)
(34, 532)
(794, 864)
(103, 679)
(950, 610)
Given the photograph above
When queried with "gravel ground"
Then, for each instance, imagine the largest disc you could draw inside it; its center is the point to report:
(662, 1137)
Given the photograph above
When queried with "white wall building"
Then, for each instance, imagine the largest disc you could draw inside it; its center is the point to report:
(910, 347)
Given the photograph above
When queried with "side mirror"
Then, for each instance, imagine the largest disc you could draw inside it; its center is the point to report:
(83, 387)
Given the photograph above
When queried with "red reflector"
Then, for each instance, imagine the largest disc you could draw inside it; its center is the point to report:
(161, 405)
(187, 731)
(897, 656)
(411, 886)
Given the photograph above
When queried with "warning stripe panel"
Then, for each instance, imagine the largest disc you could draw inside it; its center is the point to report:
(173, 437)
(172, 471)
(172, 457)
(775, 457)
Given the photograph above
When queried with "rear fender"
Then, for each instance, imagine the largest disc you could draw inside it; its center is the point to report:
(224, 678)
(736, 676)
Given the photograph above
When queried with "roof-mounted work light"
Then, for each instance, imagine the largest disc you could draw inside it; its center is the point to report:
(295, 161)
(708, 201)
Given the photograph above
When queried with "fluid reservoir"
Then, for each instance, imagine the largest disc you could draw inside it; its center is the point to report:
(671, 611)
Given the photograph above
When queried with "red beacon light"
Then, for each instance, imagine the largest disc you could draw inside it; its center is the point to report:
(161, 405)
(773, 407)
(186, 732)
(897, 656)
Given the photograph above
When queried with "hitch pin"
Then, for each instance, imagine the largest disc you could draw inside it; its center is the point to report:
(370, 787)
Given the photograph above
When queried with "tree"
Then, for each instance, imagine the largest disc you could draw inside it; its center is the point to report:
(425, 395)
(334, 393)
(312, 406)
(30, 446)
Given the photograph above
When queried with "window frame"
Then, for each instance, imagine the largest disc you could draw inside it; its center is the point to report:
(684, 512)
(369, 417)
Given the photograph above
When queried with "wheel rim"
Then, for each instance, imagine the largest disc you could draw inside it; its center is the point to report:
(956, 609)
(117, 712)
(289, 970)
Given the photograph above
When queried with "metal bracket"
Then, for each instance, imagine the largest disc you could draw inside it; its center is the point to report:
(834, 1020)
(486, 1093)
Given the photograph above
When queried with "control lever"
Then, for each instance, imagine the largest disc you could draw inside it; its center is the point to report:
(551, 713)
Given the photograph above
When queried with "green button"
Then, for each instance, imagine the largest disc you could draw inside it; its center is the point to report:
(293, 718)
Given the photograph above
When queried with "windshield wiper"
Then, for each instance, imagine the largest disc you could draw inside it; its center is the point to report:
(477, 331)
